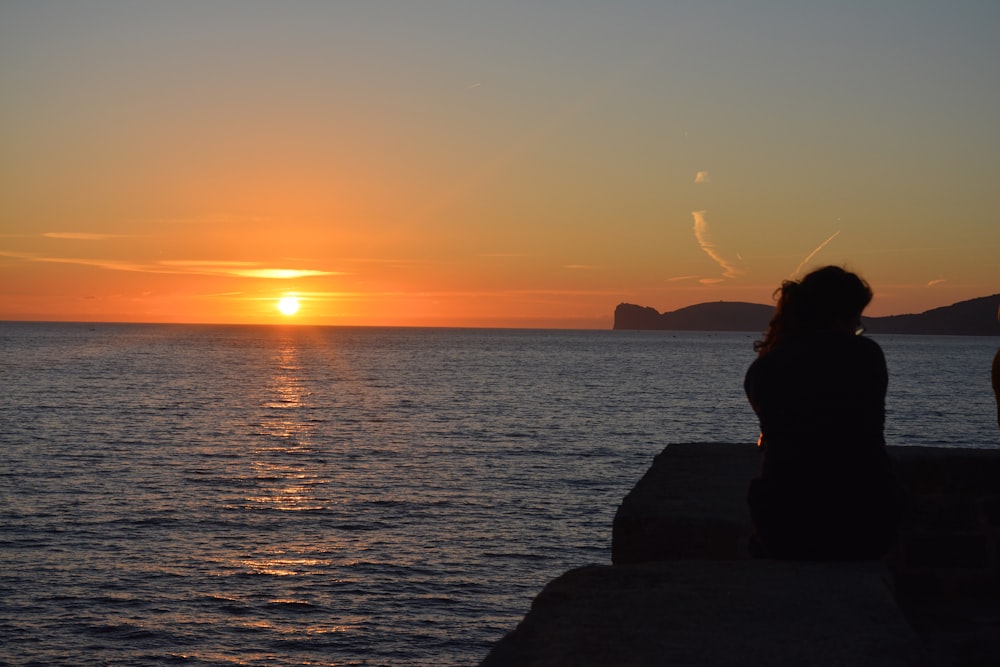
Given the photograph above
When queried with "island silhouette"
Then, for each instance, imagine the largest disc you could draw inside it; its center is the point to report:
(975, 317)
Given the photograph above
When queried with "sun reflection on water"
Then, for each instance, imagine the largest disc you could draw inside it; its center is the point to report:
(284, 479)
(283, 567)
(283, 587)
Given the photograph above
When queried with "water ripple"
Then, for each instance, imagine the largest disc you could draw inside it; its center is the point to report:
(286, 496)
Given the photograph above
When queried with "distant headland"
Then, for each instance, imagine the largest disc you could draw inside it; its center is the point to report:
(975, 317)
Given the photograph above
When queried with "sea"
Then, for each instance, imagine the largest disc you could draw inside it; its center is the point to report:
(292, 495)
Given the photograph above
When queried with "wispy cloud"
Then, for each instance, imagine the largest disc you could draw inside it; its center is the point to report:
(701, 177)
(200, 263)
(108, 264)
(245, 269)
(242, 269)
(184, 267)
(82, 236)
(281, 274)
(16, 255)
(729, 270)
(814, 253)
(937, 281)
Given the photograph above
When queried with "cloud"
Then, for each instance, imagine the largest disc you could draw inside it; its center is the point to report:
(281, 274)
(701, 235)
(243, 269)
(197, 263)
(184, 267)
(16, 255)
(701, 177)
(82, 236)
(937, 281)
(109, 264)
(813, 253)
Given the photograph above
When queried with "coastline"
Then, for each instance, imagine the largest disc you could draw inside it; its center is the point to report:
(974, 317)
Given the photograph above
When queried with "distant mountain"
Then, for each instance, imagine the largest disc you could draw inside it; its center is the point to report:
(976, 317)
(715, 316)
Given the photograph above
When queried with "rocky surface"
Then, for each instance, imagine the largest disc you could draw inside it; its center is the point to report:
(714, 613)
(682, 589)
(691, 503)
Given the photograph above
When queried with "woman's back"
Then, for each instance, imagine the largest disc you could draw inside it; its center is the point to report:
(820, 400)
(825, 491)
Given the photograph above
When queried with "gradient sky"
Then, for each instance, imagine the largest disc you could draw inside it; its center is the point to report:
(514, 163)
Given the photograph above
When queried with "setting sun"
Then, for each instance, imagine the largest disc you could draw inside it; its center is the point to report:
(288, 305)
(464, 189)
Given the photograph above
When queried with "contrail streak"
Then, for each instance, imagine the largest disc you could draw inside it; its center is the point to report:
(701, 234)
(813, 253)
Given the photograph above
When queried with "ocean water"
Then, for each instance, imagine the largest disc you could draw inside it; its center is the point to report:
(199, 495)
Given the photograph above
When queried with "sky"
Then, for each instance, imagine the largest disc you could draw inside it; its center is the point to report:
(474, 163)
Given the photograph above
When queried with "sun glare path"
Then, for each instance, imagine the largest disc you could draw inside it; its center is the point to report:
(288, 305)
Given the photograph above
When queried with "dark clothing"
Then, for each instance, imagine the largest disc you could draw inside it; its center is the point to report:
(995, 374)
(825, 491)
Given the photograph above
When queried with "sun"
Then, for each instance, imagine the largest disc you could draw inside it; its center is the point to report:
(288, 305)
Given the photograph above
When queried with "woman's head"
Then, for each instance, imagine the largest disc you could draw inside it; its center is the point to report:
(828, 299)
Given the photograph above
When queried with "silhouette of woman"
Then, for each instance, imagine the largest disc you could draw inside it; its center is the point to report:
(995, 373)
(825, 490)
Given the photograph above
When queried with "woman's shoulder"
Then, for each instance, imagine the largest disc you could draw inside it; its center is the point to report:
(828, 344)
(821, 344)
(868, 344)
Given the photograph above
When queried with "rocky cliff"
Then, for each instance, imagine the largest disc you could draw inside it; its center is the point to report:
(718, 316)
(975, 317)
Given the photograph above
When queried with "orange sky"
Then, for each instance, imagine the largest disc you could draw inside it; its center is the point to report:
(485, 165)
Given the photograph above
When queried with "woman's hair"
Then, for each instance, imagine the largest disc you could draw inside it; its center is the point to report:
(826, 299)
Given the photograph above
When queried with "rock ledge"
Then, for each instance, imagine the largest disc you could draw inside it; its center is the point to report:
(682, 589)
